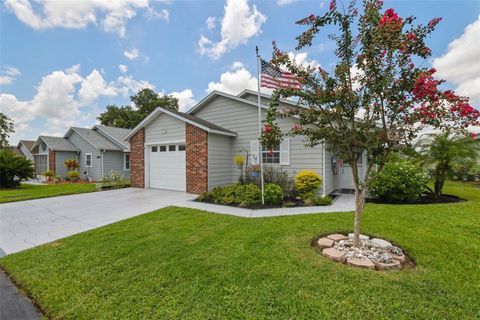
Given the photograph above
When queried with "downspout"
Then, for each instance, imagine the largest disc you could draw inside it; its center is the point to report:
(323, 169)
(103, 176)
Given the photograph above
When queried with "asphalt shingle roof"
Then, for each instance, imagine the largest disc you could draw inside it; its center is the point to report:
(96, 139)
(58, 143)
(117, 133)
(200, 121)
(28, 143)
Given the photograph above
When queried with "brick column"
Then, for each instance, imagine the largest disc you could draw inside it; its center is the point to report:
(137, 159)
(196, 148)
(51, 161)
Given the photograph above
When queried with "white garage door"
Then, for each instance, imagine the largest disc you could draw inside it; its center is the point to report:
(167, 167)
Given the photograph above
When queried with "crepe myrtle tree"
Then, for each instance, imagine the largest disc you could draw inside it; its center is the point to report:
(376, 99)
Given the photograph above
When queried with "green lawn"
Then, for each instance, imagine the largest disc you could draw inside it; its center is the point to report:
(180, 263)
(29, 191)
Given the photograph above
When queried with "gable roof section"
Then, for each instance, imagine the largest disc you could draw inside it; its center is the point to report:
(27, 143)
(202, 103)
(188, 118)
(267, 96)
(117, 135)
(94, 138)
(56, 143)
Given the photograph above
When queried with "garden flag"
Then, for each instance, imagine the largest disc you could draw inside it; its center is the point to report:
(273, 77)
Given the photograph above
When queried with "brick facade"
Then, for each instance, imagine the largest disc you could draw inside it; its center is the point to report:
(196, 148)
(137, 159)
(51, 161)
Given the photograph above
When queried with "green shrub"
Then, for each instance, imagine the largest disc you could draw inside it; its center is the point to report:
(307, 183)
(271, 175)
(14, 169)
(323, 201)
(71, 164)
(114, 180)
(73, 175)
(399, 181)
(48, 174)
(244, 195)
(273, 194)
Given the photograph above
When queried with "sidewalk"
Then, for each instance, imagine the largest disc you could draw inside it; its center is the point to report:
(342, 203)
(13, 305)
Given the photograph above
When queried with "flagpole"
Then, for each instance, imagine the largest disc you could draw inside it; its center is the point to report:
(260, 155)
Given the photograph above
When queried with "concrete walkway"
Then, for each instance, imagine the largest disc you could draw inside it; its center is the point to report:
(27, 224)
(13, 305)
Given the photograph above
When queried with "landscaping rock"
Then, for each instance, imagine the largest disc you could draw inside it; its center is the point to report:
(396, 250)
(385, 258)
(325, 243)
(361, 263)
(383, 244)
(337, 237)
(334, 254)
(400, 258)
(394, 264)
(362, 237)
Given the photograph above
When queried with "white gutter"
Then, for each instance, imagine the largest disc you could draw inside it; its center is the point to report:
(103, 176)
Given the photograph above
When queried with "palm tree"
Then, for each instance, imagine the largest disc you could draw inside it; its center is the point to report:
(439, 153)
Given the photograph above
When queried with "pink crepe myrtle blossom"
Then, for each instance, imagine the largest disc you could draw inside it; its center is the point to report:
(333, 5)
(391, 20)
(434, 22)
(411, 36)
(473, 135)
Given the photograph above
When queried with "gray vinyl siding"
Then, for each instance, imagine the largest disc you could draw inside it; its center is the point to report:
(114, 160)
(243, 119)
(165, 128)
(95, 171)
(60, 157)
(220, 160)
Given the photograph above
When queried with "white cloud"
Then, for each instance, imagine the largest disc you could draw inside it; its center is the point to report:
(132, 54)
(126, 85)
(9, 75)
(94, 86)
(285, 2)
(239, 23)
(234, 81)
(123, 68)
(111, 15)
(163, 14)
(64, 98)
(460, 65)
(185, 99)
(211, 23)
(301, 59)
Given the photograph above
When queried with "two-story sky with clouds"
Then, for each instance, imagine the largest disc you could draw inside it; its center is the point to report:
(63, 61)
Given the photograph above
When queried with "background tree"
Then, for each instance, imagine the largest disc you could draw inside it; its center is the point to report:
(440, 153)
(146, 100)
(6, 128)
(378, 95)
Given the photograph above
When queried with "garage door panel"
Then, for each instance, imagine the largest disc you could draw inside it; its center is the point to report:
(167, 169)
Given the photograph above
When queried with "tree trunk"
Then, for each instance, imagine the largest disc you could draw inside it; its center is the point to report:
(359, 205)
(438, 188)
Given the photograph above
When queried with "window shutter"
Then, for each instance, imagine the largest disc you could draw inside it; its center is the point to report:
(285, 152)
(254, 146)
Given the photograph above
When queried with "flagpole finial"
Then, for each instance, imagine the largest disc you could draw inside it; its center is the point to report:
(256, 49)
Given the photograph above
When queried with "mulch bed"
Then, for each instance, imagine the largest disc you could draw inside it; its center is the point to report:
(425, 199)
(295, 202)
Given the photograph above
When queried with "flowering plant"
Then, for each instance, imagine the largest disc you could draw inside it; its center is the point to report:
(377, 99)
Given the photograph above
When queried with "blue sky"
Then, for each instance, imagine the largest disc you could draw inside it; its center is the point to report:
(62, 63)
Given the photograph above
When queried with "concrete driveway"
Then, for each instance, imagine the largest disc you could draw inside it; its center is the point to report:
(27, 224)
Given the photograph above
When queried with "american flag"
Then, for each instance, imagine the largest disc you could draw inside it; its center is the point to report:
(273, 77)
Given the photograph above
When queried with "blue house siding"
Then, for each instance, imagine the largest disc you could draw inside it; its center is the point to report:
(95, 171)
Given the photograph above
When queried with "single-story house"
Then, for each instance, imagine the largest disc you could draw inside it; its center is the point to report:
(194, 151)
(23, 149)
(50, 152)
(98, 150)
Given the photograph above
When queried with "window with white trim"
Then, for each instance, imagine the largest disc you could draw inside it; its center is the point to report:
(88, 160)
(126, 161)
(278, 155)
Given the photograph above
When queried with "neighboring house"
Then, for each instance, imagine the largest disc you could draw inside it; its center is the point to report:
(23, 149)
(50, 152)
(98, 151)
(102, 150)
(194, 151)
